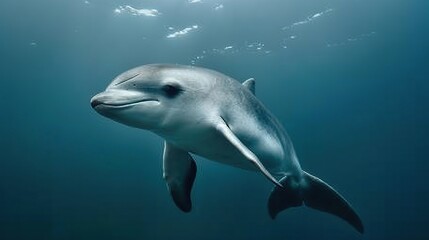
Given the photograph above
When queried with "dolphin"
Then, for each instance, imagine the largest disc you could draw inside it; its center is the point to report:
(203, 112)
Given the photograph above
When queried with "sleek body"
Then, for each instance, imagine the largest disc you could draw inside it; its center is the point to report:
(204, 112)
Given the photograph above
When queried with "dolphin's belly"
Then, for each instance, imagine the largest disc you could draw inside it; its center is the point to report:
(214, 147)
(211, 145)
(224, 152)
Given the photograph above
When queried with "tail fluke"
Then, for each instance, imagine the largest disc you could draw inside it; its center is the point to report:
(315, 194)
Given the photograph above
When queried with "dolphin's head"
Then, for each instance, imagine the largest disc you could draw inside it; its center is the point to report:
(145, 97)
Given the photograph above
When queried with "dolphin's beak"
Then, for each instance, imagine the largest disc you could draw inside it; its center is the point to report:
(95, 101)
(119, 98)
(99, 99)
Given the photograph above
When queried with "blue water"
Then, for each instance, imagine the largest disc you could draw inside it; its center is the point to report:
(348, 79)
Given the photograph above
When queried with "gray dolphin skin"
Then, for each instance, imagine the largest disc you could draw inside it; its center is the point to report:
(206, 113)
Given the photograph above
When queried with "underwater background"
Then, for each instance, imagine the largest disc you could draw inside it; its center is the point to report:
(348, 80)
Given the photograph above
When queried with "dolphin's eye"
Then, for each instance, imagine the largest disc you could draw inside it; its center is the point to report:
(171, 90)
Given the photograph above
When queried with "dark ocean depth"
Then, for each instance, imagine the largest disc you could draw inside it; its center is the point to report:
(347, 79)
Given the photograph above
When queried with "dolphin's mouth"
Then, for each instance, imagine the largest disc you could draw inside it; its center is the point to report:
(96, 102)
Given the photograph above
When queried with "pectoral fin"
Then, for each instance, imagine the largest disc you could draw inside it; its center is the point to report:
(223, 128)
(179, 173)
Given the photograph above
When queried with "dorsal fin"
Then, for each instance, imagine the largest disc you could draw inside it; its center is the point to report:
(250, 84)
